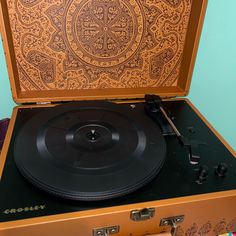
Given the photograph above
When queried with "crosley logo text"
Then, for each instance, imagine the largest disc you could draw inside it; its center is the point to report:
(25, 209)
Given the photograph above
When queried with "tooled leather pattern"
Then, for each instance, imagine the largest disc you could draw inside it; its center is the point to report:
(90, 44)
(221, 227)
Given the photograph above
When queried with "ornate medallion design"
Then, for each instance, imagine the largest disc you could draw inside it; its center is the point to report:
(108, 33)
(102, 34)
(98, 44)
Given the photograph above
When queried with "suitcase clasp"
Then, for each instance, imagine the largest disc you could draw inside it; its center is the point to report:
(141, 215)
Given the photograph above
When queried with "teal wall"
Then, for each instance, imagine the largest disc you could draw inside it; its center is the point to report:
(213, 89)
(6, 102)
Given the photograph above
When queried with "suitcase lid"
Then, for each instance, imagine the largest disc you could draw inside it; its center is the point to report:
(68, 50)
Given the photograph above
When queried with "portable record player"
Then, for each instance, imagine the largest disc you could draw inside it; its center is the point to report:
(101, 144)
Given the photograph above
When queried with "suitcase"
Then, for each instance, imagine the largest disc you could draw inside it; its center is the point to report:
(62, 51)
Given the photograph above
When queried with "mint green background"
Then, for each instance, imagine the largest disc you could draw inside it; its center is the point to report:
(213, 89)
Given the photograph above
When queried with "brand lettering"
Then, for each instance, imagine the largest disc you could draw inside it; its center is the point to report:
(25, 209)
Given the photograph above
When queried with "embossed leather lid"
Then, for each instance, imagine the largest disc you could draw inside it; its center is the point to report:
(98, 49)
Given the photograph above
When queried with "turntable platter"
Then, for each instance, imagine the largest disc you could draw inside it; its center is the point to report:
(90, 150)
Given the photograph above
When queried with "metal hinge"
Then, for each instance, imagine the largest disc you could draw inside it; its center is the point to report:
(106, 231)
(173, 222)
(43, 103)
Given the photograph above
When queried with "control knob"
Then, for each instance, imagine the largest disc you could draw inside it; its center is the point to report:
(221, 169)
(202, 174)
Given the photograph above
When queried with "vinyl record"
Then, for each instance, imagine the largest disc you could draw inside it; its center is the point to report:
(89, 150)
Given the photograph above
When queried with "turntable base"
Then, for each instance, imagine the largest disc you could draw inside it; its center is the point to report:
(177, 178)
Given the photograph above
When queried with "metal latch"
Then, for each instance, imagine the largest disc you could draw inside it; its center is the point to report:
(173, 222)
(141, 215)
(43, 103)
(106, 231)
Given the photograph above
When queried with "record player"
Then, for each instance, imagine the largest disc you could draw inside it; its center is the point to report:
(101, 144)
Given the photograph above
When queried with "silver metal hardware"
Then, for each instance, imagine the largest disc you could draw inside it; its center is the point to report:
(141, 215)
(133, 106)
(106, 231)
(173, 222)
(43, 103)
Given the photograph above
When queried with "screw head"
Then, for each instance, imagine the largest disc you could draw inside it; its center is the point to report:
(99, 232)
(166, 222)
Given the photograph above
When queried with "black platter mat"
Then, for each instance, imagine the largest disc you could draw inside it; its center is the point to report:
(90, 150)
